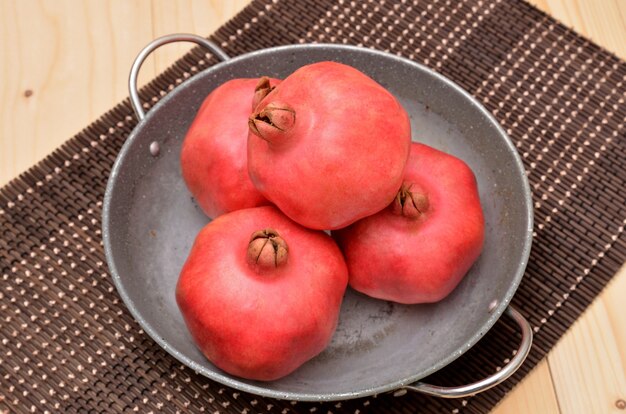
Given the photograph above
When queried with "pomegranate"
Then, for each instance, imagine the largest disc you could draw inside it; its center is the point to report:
(261, 294)
(213, 157)
(418, 249)
(328, 146)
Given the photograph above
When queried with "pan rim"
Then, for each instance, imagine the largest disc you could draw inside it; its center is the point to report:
(241, 384)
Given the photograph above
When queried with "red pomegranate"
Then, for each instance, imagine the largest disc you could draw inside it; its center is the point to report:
(418, 249)
(213, 157)
(328, 146)
(261, 294)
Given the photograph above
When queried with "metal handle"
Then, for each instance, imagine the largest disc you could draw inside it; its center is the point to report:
(152, 46)
(495, 379)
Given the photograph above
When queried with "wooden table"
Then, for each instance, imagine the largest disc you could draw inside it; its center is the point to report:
(64, 62)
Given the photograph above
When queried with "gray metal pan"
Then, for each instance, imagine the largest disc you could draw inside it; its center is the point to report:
(150, 221)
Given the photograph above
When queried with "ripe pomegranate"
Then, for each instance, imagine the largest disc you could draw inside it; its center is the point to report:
(261, 294)
(213, 157)
(418, 249)
(328, 146)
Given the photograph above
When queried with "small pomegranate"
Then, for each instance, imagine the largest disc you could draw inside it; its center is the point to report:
(213, 158)
(261, 294)
(328, 146)
(418, 249)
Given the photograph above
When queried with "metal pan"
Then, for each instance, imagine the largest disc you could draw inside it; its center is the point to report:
(150, 221)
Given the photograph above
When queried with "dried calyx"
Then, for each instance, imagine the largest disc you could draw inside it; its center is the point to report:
(410, 202)
(270, 122)
(267, 249)
(262, 89)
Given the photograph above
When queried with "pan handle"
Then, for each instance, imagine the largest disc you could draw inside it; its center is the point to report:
(152, 46)
(493, 380)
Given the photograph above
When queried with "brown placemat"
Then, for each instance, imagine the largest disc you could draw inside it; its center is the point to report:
(70, 345)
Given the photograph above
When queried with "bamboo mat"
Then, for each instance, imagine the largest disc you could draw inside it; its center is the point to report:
(70, 345)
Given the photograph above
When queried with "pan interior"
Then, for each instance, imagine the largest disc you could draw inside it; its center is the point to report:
(152, 221)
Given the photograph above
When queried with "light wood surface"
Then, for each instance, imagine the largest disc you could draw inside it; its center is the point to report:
(64, 62)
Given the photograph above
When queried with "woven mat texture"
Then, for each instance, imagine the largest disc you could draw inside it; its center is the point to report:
(70, 345)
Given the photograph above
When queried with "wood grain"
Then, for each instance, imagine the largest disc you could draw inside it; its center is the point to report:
(603, 21)
(535, 395)
(65, 62)
(73, 57)
(613, 299)
(192, 16)
(588, 371)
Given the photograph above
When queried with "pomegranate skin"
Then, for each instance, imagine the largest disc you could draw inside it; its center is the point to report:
(261, 321)
(410, 254)
(328, 146)
(213, 156)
